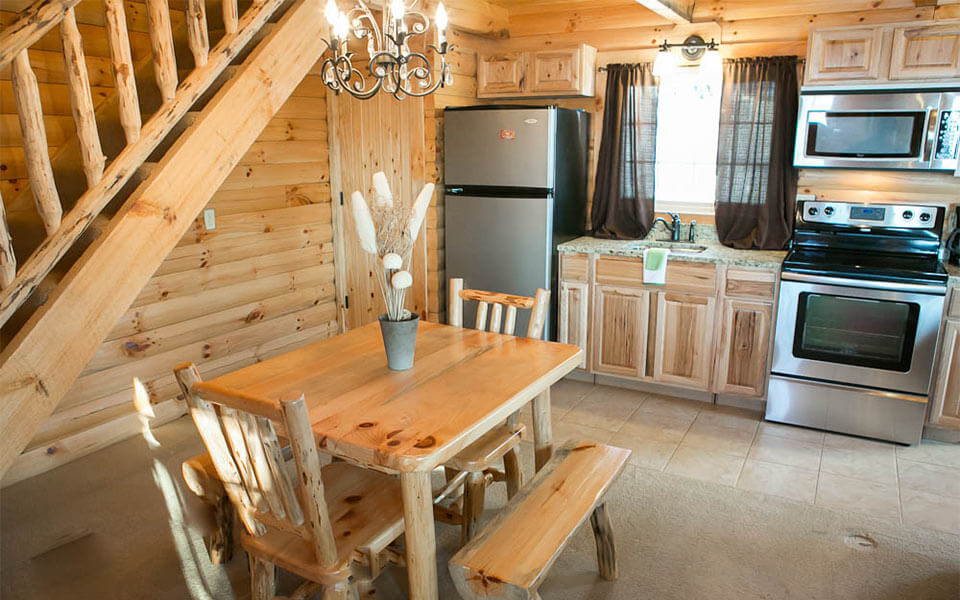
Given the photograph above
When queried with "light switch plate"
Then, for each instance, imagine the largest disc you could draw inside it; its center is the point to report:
(209, 219)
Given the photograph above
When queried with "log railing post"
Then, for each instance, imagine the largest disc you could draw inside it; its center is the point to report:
(35, 151)
(230, 16)
(161, 41)
(81, 100)
(197, 31)
(115, 21)
(8, 261)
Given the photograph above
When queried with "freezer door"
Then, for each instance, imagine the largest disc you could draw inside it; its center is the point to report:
(500, 147)
(500, 245)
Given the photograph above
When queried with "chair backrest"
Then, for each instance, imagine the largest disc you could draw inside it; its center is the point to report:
(497, 304)
(247, 454)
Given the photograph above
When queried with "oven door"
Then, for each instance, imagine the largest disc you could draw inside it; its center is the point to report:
(842, 331)
(883, 131)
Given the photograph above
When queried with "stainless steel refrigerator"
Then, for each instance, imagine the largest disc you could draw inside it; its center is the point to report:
(515, 187)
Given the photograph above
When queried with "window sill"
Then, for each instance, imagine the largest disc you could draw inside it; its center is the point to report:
(690, 208)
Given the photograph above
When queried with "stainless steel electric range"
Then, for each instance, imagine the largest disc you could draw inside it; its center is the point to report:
(861, 299)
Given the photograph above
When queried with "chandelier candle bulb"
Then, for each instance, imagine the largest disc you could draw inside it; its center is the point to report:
(331, 12)
(440, 20)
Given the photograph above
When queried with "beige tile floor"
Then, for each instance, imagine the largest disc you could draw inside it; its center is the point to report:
(916, 485)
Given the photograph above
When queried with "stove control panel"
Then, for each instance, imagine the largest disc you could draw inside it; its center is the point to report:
(868, 215)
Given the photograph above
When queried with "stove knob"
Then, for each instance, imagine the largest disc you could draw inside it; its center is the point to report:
(925, 217)
(907, 215)
(828, 211)
(813, 211)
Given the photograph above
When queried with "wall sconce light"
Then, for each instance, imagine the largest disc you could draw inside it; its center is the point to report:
(692, 48)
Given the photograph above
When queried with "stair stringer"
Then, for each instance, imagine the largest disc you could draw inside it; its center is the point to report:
(40, 364)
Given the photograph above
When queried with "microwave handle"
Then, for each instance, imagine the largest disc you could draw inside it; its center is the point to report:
(931, 141)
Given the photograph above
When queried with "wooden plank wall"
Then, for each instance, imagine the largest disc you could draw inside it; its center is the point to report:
(259, 284)
(46, 58)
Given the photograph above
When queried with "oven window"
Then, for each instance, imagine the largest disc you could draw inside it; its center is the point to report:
(856, 331)
(865, 134)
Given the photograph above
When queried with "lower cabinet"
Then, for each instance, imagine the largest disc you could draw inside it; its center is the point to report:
(573, 322)
(743, 348)
(708, 329)
(620, 330)
(945, 410)
(683, 341)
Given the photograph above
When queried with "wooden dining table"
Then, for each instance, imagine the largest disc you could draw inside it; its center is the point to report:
(463, 383)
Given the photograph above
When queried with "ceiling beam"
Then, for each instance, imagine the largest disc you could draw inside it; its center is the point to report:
(675, 11)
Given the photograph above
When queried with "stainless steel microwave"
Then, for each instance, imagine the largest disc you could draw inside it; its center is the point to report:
(879, 130)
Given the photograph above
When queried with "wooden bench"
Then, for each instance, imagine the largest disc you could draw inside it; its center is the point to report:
(510, 557)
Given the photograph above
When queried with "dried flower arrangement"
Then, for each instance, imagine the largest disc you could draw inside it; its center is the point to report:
(388, 229)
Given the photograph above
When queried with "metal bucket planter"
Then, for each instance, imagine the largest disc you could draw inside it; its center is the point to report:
(399, 341)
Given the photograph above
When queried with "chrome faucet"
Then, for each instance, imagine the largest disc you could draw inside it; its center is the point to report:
(673, 227)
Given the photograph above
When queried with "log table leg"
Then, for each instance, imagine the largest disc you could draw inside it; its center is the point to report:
(420, 535)
(606, 549)
(542, 430)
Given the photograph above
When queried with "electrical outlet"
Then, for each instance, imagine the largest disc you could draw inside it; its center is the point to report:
(209, 219)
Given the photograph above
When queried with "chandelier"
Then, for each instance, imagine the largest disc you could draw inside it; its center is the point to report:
(396, 68)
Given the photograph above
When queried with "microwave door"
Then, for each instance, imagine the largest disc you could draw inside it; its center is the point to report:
(879, 131)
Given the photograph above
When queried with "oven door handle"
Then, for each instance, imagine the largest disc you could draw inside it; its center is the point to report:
(938, 290)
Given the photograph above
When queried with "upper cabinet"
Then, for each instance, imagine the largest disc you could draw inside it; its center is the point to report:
(926, 52)
(539, 73)
(884, 54)
(841, 55)
(500, 74)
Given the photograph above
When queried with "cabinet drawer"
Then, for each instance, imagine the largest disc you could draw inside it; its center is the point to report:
(953, 308)
(619, 270)
(751, 283)
(692, 277)
(575, 267)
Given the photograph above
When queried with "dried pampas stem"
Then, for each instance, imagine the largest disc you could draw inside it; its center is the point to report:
(388, 230)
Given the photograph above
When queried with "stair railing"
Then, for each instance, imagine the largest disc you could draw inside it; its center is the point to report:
(103, 181)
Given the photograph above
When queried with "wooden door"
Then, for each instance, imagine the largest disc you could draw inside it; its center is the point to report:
(945, 410)
(619, 333)
(846, 54)
(379, 134)
(684, 350)
(926, 52)
(744, 345)
(574, 317)
(555, 71)
(500, 74)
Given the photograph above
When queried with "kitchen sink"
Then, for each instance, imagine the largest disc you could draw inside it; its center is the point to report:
(678, 247)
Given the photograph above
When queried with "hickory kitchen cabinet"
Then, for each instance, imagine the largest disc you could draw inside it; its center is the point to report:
(555, 72)
(884, 54)
(945, 408)
(708, 329)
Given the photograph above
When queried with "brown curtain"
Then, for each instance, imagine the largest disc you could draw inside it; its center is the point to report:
(623, 195)
(756, 181)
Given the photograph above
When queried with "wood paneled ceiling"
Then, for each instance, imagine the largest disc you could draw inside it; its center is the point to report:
(712, 10)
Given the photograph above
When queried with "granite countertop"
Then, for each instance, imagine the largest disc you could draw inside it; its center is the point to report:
(715, 252)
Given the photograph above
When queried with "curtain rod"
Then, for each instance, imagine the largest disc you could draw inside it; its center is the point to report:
(603, 69)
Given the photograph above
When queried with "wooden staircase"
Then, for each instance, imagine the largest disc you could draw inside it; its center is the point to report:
(97, 221)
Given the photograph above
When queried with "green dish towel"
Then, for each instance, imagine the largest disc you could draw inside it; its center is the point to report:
(655, 266)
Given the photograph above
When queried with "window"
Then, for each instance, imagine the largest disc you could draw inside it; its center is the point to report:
(688, 122)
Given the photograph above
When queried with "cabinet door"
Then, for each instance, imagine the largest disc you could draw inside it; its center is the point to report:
(574, 317)
(945, 411)
(847, 54)
(926, 52)
(555, 71)
(619, 333)
(684, 339)
(500, 74)
(744, 345)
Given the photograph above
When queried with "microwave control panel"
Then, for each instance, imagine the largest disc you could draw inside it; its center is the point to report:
(948, 135)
